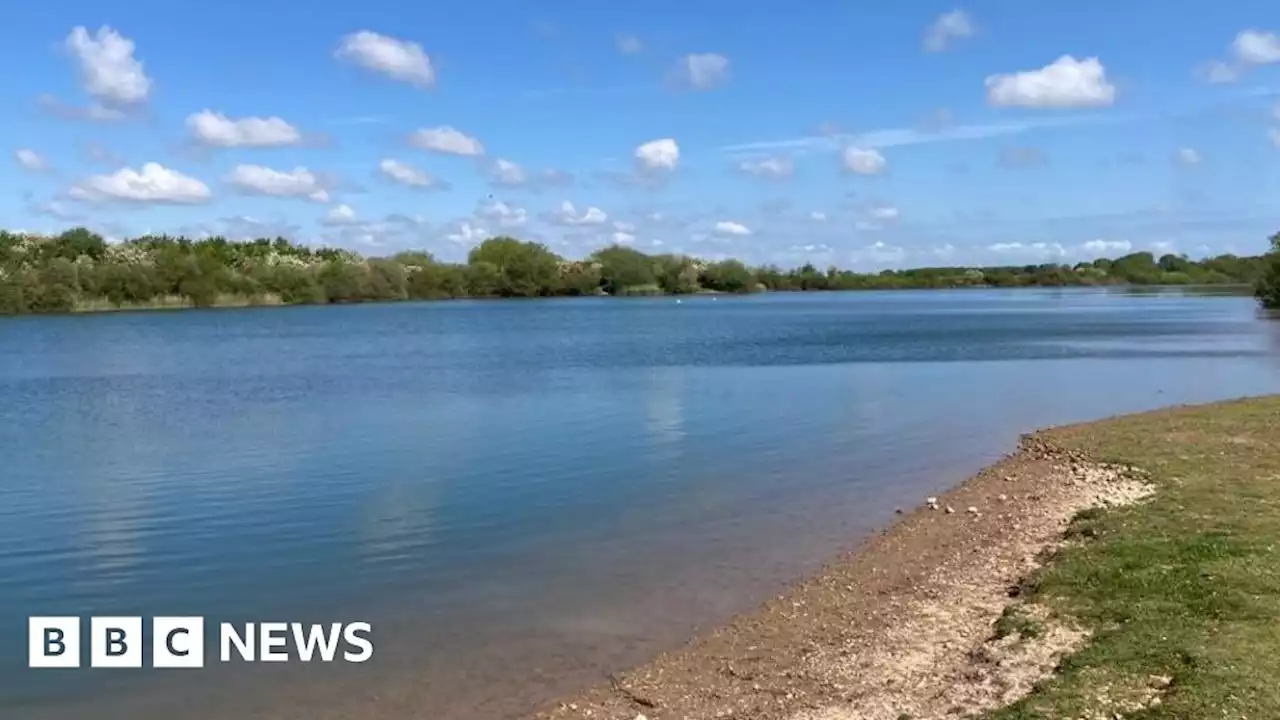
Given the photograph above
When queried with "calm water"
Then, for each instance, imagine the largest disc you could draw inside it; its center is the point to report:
(519, 495)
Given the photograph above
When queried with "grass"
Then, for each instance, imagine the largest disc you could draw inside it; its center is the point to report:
(1182, 593)
(1014, 621)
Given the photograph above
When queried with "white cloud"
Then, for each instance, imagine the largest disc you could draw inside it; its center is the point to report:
(629, 44)
(894, 137)
(1255, 47)
(397, 59)
(340, 215)
(1039, 249)
(297, 183)
(661, 154)
(818, 216)
(99, 113)
(505, 215)
(879, 253)
(1249, 49)
(567, 214)
(774, 168)
(703, 71)
(466, 233)
(729, 227)
(1274, 135)
(1218, 72)
(211, 128)
(1064, 83)
(884, 212)
(882, 251)
(1188, 156)
(154, 184)
(507, 173)
(57, 209)
(949, 26)
(108, 70)
(811, 248)
(31, 160)
(623, 238)
(406, 174)
(1102, 247)
(95, 112)
(863, 161)
(447, 140)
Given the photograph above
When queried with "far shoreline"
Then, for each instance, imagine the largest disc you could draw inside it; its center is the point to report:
(105, 308)
(78, 270)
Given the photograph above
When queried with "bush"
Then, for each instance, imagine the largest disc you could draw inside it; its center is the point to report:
(1267, 287)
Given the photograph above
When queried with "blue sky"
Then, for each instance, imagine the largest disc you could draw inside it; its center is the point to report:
(864, 135)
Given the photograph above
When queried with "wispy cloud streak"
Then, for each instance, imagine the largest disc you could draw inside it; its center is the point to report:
(894, 137)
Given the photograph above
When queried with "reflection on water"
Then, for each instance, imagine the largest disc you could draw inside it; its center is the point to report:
(664, 416)
(521, 495)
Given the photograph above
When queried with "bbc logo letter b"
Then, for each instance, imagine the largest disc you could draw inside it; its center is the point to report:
(53, 642)
(115, 642)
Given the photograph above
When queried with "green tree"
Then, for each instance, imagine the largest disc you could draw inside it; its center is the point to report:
(727, 276)
(125, 284)
(74, 243)
(808, 278)
(483, 279)
(294, 285)
(525, 269)
(387, 280)
(1174, 263)
(344, 282)
(623, 269)
(1138, 268)
(580, 278)
(676, 274)
(1267, 286)
(12, 299)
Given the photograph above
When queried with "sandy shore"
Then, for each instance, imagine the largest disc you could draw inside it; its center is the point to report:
(908, 625)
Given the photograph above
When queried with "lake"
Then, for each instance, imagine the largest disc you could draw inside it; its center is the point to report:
(520, 496)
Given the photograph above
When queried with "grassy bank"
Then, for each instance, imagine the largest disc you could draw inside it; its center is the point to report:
(1182, 593)
(176, 302)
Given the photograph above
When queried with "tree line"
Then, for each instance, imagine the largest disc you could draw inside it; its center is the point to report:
(1266, 287)
(79, 270)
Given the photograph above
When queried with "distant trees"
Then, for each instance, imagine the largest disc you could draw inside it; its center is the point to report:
(626, 271)
(78, 270)
(1267, 285)
(520, 269)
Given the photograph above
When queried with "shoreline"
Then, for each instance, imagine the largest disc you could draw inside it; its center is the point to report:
(907, 624)
(92, 307)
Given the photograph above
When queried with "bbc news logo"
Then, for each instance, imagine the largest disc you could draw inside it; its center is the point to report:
(178, 642)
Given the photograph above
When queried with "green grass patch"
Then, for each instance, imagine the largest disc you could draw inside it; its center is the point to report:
(1184, 587)
(1015, 622)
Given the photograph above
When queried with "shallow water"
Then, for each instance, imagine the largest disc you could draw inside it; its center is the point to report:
(520, 496)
